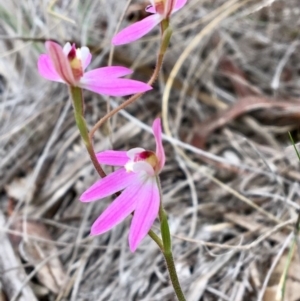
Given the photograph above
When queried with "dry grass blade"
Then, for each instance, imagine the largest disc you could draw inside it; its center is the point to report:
(231, 76)
(12, 272)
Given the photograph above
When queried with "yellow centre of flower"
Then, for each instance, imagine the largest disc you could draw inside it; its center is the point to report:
(152, 160)
(75, 63)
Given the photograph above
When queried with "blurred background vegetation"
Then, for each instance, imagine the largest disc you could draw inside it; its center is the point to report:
(234, 93)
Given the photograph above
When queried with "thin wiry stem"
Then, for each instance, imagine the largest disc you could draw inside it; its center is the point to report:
(77, 98)
(159, 62)
(167, 248)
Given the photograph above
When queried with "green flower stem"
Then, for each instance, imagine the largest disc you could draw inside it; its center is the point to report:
(164, 25)
(167, 248)
(159, 61)
(77, 99)
(173, 276)
(156, 239)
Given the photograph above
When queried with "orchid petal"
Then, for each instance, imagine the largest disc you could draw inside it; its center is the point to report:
(160, 152)
(107, 72)
(150, 9)
(145, 212)
(67, 48)
(168, 7)
(46, 68)
(121, 207)
(143, 166)
(111, 184)
(178, 5)
(60, 62)
(114, 158)
(131, 154)
(114, 86)
(136, 30)
(86, 56)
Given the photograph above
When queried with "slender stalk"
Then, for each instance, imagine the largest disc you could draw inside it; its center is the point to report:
(164, 25)
(167, 250)
(159, 61)
(156, 239)
(173, 276)
(165, 243)
(77, 99)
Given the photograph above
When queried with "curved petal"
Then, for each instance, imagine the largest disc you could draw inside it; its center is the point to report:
(60, 62)
(142, 166)
(46, 68)
(111, 184)
(107, 72)
(152, 2)
(136, 30)
(67, 48)
(86, 56)
(160, 152)
(114, 86)
(178, 5)
(145, 213)
(121, 207)
(114, 158)
(131, 154)
(169, 7)
(150, 9)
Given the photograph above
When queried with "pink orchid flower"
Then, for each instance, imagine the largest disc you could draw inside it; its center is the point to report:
(160, 10)
(68, 64)
(138, 179)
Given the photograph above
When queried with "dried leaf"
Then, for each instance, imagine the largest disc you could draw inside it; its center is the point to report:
(244, 105)
(51, 274)
(292, 292)
(237, 77)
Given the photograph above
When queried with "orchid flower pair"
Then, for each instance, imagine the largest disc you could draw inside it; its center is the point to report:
(138, 173)
(160, 10)
(68, 64)
(139, 168)
(137, 177)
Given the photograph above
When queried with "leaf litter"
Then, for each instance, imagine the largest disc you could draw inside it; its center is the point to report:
(241, 97)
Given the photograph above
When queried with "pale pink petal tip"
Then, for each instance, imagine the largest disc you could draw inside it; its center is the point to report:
(145, 213)
(160, 152)
(67, 48)
(86, 56)
(136, 30)
(179, 4)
